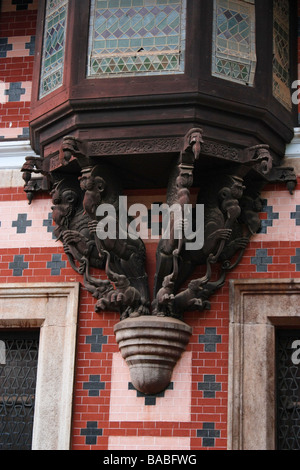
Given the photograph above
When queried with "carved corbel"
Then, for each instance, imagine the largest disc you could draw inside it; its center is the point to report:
(231, 198)
(34, 166)
(126, 255)
(285, 175)
(73, 231)
(192, 146)
(122, 259)
(259, 158)
(124, 298)
(71, 148)
(169, 250)
(269, 172)
(231, 218)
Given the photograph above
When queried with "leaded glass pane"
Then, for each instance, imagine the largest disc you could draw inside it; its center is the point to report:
(53, 46)
(130, 37)
(281, 54)
(18, 372)
(234, 50)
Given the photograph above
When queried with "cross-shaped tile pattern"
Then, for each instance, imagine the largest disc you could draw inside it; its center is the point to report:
(94, 385)
(15, 91)
(31, 45)
(208, 434)
(210, 339)
(91, 432)
(268, 222)
(4, 47)
(209, 386)
(296, 259)
(48, 223)
(25, 133)
(22, 223)
(96, 340)
(296, 215)
(21, 4)
(18, 265)
(56, 264)
(150, 400)
(262, 260)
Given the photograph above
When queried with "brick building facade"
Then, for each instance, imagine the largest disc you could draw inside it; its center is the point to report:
(107, 412)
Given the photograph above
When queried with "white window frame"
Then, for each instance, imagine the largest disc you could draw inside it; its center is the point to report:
(257, 307)
(54, 309)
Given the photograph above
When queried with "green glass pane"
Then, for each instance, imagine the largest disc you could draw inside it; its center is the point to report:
(54, 45)
(132, 27)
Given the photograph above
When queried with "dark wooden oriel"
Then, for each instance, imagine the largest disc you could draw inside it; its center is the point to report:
(142, 109)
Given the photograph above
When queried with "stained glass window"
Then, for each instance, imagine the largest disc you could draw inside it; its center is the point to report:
(281, 54)
(234, 50)
(130, 37)
(53, 46)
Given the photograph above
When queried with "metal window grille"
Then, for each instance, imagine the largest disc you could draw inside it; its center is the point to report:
(18, 373)
(288, 389)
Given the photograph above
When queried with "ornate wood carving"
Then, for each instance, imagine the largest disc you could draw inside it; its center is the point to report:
(34, 166)
(132, 147)
(124, 121)
(231, 201)
(95, 233)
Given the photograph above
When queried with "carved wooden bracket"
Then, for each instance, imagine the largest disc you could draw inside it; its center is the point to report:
(231, 200)
(84, 199)
(41, 182)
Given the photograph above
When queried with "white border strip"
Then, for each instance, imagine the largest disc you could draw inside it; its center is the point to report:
(13, 153)
(293, 148)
